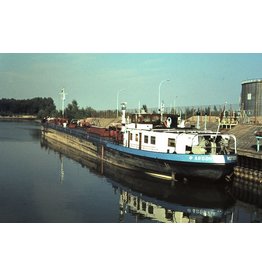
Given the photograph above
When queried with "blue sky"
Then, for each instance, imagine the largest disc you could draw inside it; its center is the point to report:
(94, 79)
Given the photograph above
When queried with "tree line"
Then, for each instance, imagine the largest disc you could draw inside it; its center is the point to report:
(40, 107)
(72, 111)
(45, 107)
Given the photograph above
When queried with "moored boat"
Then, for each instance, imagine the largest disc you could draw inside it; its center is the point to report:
(161, 149)
(168, 150)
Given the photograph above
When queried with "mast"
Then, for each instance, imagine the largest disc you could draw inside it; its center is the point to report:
(62, 93)
(123, 108)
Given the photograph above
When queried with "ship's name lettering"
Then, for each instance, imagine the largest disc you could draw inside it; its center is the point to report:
(231, 158)
(200, 158)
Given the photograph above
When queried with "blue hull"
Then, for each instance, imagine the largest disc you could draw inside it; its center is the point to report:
(191, 166)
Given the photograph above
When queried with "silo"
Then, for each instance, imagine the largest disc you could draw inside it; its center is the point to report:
(251, 97)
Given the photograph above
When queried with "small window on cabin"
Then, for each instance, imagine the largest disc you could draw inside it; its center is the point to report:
(131, 136)
(136, 137)
(153, 140)
(169, 214)
(151, 209)
(171, 142)
(146, 139)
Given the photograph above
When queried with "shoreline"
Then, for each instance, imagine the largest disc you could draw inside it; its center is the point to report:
(22, 117)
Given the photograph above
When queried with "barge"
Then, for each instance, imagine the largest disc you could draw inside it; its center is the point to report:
(155, 147)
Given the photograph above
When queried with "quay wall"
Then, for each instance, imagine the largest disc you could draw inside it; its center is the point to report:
(247, 183)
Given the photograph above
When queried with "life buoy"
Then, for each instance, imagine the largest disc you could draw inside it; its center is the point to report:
(168, 122)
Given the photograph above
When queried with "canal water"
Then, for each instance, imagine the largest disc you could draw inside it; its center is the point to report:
(44, 181)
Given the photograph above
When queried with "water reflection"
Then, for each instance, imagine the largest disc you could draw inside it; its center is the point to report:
(144, 197)
(159, 200)
(248, 191)
(185, 214)
(19, 131)
(62, 171)
(248, 196)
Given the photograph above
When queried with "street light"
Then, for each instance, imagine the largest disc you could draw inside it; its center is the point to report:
(159, 97)
(117, 101)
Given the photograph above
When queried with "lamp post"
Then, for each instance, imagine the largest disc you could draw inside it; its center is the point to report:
(117, 97)
(159, 95)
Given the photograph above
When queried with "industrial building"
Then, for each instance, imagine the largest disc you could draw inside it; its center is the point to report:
(251, 99)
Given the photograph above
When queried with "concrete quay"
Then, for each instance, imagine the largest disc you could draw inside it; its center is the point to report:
(246, 140)
(248, 172)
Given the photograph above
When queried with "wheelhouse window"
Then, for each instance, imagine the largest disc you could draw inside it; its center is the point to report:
(153, 140)
(131, 136)
(146, 139)
(171, 142)
(136, 137)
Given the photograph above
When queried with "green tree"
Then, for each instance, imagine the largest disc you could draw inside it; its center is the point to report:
(27, 107)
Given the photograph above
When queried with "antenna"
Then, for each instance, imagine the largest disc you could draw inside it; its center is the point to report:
(62, 93)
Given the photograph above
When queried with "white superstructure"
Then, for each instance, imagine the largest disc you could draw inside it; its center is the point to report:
(144, 137)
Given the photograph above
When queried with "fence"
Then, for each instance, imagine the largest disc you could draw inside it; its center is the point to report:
(227, 110)
(188, 111)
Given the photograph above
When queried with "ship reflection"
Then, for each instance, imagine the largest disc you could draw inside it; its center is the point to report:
(145, 197)
(158, 200)
(185, 214)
